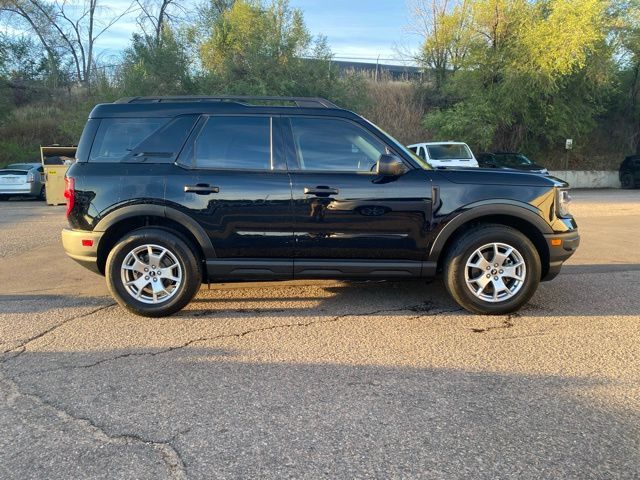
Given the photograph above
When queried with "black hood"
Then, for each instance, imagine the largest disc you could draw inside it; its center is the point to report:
(500, 176)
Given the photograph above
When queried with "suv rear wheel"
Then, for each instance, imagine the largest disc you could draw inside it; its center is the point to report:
(492, 269)
(153, 272)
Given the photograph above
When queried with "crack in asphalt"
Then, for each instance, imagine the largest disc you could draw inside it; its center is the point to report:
(506, 323)
(169, 455)
(23, 346)
(209, 312)
(423, 309)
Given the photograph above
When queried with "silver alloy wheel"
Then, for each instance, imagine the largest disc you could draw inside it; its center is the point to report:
(151, 274)
(495, 272)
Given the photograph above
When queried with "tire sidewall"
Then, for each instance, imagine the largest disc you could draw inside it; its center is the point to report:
(456, 282)
(191, 271)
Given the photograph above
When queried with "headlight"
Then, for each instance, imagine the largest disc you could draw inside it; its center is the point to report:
(563, 199)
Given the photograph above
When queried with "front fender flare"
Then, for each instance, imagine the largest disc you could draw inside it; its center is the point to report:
(473, 212)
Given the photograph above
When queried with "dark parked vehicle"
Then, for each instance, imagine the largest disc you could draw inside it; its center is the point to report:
(22, 180)
(629, 172)
(171, 192)
(510, 160)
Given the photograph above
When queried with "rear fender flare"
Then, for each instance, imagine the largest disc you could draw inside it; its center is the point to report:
(140, 210)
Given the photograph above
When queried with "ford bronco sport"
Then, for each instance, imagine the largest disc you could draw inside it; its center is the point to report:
(171, 192)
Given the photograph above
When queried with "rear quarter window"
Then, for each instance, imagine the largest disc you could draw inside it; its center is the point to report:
(116, 138)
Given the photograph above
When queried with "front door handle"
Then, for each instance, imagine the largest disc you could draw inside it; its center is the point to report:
(201, 189)
(321, 191)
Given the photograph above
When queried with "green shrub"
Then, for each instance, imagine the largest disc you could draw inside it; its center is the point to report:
(11, 152)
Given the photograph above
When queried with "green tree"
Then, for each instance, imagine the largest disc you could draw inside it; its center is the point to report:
(156, 66)
(267, 50)
(533, 73)
(626, 41)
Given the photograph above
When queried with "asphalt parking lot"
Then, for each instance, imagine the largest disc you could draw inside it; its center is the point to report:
(321, 379)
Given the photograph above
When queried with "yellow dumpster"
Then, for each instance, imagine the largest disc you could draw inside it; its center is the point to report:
(56, 160)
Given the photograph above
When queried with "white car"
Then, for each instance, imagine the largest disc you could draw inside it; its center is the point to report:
(22, 179)
(445, 154)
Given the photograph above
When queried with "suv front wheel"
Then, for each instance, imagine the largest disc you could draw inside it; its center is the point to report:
(492, 269)
(153, 272)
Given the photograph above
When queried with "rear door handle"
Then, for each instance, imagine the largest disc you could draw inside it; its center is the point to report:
(321, 191)
(201, 189)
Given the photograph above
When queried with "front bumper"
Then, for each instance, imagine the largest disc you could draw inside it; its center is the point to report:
(82, 246)
(561, 247)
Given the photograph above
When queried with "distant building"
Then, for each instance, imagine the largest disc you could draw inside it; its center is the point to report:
(396, 72)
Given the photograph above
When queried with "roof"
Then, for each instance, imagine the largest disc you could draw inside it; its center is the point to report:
(244, 99)
(179, 105)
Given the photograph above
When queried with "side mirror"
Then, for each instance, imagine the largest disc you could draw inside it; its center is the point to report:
(391, 166)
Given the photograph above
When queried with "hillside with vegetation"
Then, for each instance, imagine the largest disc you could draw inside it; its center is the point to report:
(514, 75)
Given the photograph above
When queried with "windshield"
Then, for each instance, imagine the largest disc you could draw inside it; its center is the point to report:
(512, 160)
(449, 151)
(398, 146)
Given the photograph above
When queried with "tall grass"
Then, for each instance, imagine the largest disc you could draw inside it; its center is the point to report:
(395, 107)
(28, 127)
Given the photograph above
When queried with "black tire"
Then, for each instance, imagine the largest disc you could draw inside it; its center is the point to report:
(43, 194)
(189, 265)
(627, 181)
(3, 198)
(463, 250)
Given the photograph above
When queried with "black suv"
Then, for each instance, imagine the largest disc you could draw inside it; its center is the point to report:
(510, 160)
(629, 172)
(171, 192)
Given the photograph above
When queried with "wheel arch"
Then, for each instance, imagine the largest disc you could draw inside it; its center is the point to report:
(523, 219)
(132, 217)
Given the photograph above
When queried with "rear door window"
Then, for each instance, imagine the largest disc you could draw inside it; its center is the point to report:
(235, 142)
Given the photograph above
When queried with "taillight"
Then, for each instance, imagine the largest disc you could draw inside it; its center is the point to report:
(31, 177)
(70, 193)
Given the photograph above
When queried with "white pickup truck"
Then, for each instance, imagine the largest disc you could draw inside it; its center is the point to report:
(445, 154)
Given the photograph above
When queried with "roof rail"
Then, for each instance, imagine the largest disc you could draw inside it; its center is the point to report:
(308, 102)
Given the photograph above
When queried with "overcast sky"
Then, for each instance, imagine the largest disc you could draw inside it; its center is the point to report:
(358, 29)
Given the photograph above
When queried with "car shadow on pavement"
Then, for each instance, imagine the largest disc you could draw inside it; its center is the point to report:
(228, 415)
(34, 303)
(600, 268)
(579, 290)
(343, 298)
